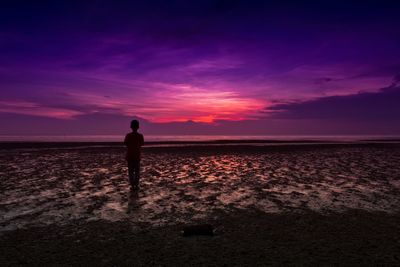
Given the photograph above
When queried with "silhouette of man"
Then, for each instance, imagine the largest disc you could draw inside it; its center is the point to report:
(133, 142)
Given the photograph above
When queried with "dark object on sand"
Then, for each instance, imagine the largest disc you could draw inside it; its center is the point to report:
(200, 229)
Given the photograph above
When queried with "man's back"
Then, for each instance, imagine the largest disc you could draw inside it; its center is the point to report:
(133, 141)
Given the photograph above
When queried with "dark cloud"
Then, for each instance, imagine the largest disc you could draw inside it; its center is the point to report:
(382, 105)
(396, 79)
(323, 80)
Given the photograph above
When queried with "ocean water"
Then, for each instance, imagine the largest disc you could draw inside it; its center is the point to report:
(166, 138)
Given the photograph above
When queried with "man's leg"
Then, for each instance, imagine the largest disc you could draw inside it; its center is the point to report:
(131, 172)
(137, 172)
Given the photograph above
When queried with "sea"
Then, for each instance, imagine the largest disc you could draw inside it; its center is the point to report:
(194, 138)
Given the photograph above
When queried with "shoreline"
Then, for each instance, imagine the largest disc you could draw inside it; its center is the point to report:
(239, 142)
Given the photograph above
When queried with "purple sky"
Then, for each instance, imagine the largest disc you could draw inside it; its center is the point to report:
(200, 67)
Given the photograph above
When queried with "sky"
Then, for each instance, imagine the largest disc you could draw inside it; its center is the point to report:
(200, 67)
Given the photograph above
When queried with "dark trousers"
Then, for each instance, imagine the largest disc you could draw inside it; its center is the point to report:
(134, 172)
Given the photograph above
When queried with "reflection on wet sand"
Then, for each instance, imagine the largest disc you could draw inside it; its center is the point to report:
(57, 186)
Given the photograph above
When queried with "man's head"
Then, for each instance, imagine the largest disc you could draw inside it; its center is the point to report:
(135, 125)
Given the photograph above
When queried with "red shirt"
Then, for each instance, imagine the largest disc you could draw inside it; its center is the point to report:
(133, 141)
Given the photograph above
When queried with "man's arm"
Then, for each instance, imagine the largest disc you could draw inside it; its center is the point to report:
(126, 140)
(141, 140)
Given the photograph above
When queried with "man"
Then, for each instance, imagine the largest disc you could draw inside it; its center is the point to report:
(134, 141)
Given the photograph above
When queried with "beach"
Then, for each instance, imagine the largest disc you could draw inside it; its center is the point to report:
(270, 204)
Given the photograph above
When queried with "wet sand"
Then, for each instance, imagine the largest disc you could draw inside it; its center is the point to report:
(304, 203)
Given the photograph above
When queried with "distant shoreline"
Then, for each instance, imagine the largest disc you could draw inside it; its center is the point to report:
(241, 142)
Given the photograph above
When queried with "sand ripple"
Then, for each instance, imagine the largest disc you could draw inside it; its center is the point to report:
(47, 186)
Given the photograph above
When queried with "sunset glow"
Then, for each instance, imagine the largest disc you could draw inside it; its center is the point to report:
(216, 66)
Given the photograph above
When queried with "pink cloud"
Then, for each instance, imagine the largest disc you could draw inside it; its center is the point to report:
(29, 108)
